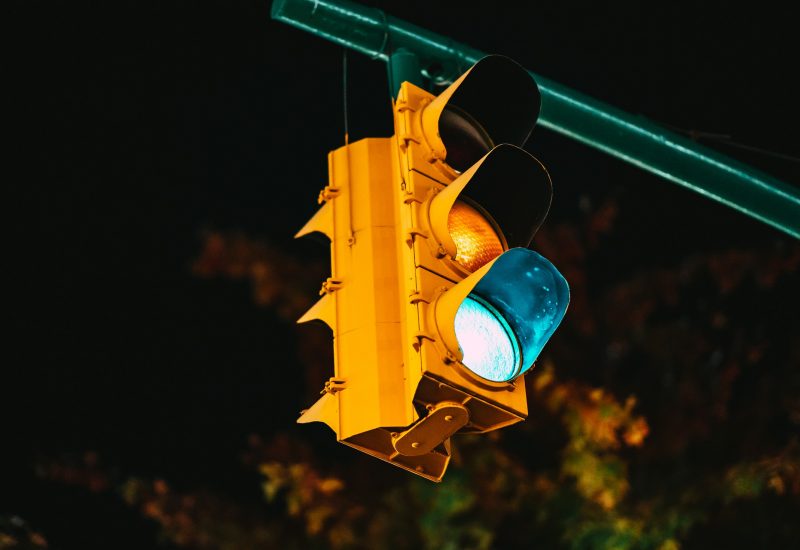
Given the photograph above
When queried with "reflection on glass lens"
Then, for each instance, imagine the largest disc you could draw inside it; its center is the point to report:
(531, 295)
(477, 243)
(490, 349)
(464, 138)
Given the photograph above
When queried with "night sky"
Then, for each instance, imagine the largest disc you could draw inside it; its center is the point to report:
(135, 127)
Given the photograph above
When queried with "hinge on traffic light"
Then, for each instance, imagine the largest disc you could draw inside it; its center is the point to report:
(449, 358)
(405, 124)
(411, 197)
(330, 285)
(416, 297)
(402, 105)
(328, 193)
(408, 194)
(334, 385)
(416, 341)
(412, 233)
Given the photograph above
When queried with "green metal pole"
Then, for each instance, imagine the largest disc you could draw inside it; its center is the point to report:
(403, 66)
(631, 138)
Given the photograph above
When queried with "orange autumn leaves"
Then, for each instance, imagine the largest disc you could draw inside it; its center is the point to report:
(597, 425)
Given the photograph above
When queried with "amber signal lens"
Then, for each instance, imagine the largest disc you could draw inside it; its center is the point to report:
(477, 242)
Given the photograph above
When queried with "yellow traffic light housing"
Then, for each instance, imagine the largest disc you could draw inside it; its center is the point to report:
(436, 304)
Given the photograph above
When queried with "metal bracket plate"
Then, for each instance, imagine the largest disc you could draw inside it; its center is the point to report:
(443, 420)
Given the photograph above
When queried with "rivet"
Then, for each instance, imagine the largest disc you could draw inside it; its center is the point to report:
(448, 418)
(415, 445)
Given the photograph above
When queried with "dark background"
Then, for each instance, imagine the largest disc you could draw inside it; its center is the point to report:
(137, 126)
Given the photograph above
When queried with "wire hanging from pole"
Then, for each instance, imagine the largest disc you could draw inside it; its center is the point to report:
(352, 237)
(726, 139)
(344, 96)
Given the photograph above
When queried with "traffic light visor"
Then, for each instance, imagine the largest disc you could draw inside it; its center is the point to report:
(495, 101)
(504, 314)
(498, 203)
(465, 138)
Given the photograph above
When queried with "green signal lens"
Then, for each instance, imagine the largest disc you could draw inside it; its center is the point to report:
(505, 322)
(489, 346)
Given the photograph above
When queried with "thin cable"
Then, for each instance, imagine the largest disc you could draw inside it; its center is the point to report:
(351, 240)
(344, 96)
(392, 83)
(766, 152)
(725, 139)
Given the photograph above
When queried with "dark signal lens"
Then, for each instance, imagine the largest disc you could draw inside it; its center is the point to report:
(464, 138)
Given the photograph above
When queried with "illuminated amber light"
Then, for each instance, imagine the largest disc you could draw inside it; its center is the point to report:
(477, 242)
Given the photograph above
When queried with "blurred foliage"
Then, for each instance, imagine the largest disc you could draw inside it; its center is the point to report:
(580, 504)
(279, 281)
(16, 534)
(669, 399)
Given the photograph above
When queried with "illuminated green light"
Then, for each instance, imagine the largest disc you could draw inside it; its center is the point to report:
(504, 324)
(490, 348)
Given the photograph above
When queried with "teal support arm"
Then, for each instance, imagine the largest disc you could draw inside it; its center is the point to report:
(631, 138)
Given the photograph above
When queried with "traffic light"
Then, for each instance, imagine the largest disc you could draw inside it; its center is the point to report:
(437, 305)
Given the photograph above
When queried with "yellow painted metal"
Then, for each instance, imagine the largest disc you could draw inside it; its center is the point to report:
(442, 314)
(440, 214)
(367, 400)
(432, 274)
(325, 410)
(360, 299)
(399, 390)
(429, 124)
(443, 420)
